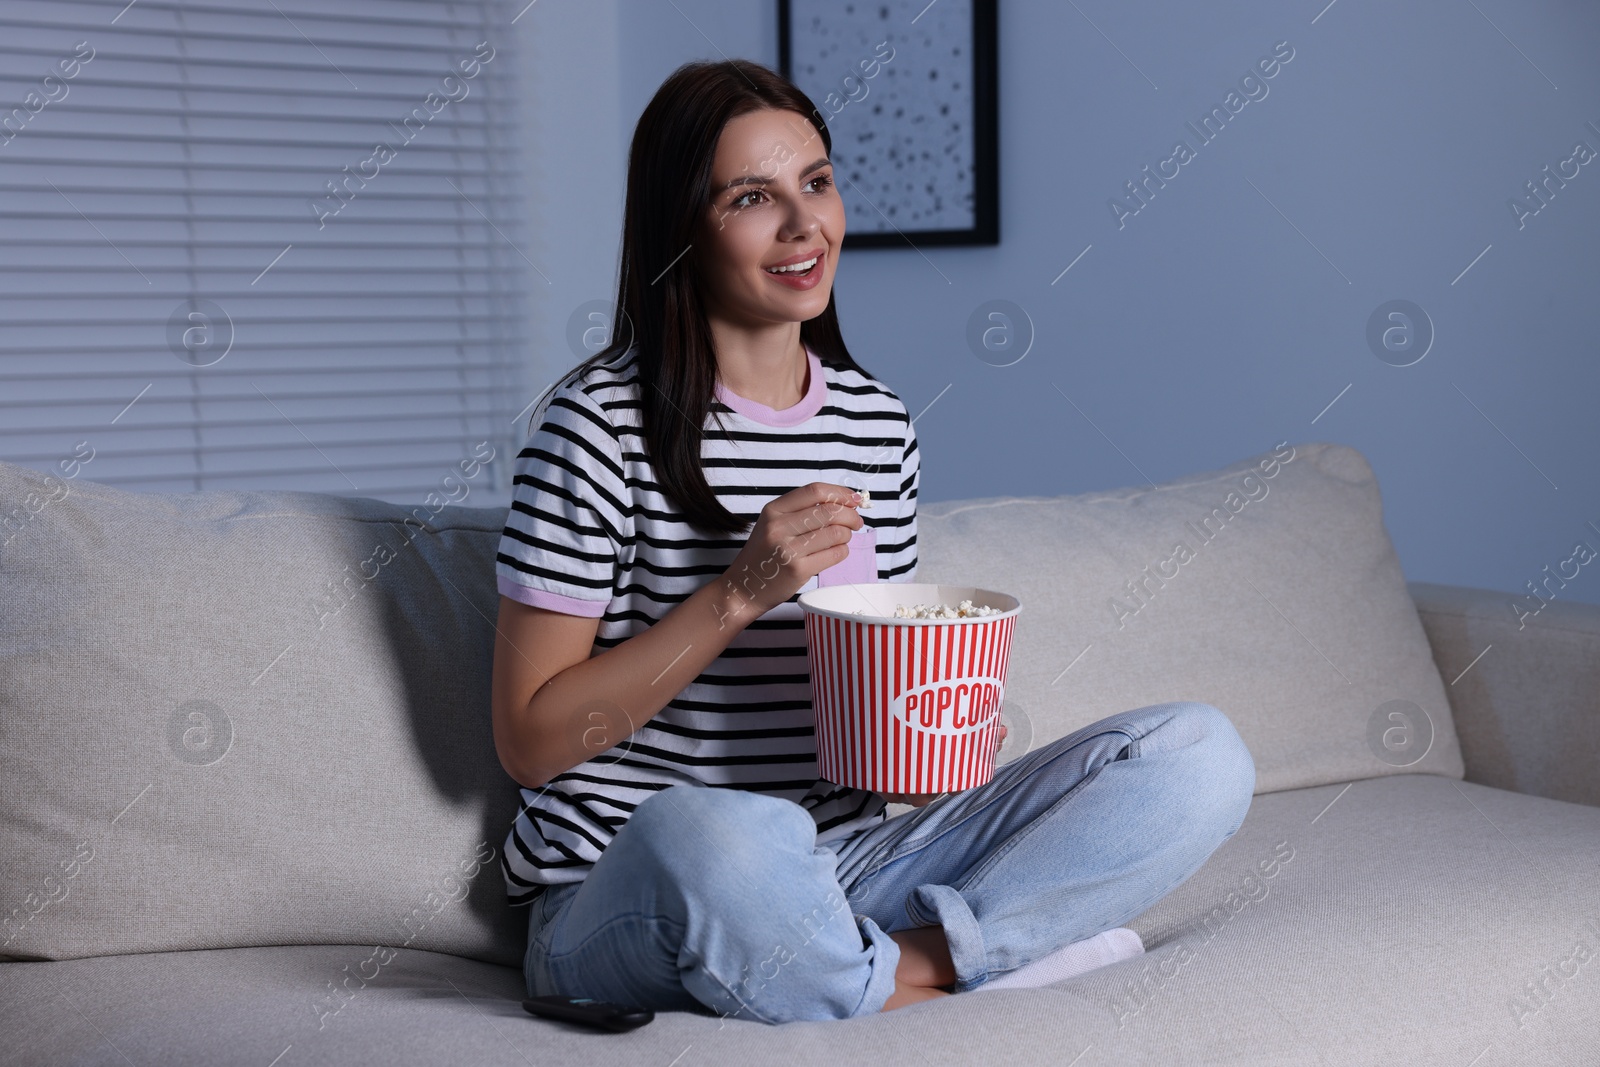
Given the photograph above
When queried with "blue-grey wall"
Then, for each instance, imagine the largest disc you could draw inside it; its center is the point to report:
(1231, 312)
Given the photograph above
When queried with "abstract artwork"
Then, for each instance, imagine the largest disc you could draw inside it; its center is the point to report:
(907, 89)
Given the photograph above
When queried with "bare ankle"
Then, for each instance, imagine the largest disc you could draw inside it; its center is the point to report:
(924, 957)
(905, 994)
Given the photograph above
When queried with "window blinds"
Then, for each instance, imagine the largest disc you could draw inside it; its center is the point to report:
(262, 244)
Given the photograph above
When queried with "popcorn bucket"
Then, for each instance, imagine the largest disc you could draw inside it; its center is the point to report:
(906, 705)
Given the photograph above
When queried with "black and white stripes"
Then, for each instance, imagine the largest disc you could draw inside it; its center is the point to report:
(590, 533)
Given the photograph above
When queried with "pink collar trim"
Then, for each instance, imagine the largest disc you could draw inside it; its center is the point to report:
(809, 405)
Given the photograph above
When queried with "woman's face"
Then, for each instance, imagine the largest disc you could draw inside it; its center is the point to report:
(772, 200)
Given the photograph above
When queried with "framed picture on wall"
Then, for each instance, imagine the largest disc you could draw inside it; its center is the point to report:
(908, 91)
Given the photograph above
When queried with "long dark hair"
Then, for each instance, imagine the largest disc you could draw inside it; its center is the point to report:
(659, 304)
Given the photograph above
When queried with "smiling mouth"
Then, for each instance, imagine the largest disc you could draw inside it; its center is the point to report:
(799, 270)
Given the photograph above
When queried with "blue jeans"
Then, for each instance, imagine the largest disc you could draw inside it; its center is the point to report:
(720, 900)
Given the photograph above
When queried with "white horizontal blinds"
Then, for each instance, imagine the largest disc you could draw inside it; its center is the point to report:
(165, 191)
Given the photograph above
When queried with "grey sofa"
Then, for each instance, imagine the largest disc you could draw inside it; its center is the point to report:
(252, 814)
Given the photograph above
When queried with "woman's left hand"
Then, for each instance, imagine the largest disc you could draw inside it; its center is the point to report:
(917, 800)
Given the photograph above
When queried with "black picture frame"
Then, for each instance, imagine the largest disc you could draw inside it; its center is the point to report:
(849, 120)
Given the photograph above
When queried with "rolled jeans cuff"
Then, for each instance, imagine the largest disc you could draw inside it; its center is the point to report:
(885, 962)
(940, 905)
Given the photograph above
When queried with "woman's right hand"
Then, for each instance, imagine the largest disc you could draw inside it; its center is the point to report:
(796, 536)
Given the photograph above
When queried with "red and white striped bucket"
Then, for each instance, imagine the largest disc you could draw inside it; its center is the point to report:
(906, 705)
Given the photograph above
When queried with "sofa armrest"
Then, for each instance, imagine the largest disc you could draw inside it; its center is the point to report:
(1524, 689)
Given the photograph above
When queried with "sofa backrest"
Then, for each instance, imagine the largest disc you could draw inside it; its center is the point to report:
(252, 718)
(247, 718)
(1268, 588)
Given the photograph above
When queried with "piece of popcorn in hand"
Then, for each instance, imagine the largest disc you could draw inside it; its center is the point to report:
(866, 499)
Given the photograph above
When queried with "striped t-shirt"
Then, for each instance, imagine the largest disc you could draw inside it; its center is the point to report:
(590, 533)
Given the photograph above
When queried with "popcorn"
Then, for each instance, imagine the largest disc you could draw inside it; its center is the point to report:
(965, 610)
(866, 499)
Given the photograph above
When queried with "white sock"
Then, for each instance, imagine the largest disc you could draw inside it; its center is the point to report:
(1103, 948)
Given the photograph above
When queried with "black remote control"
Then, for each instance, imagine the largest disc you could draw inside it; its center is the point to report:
(589, 1012)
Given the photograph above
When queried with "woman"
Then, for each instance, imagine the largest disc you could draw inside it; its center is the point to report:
(676, 847)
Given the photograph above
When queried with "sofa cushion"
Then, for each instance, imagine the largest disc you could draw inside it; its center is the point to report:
(247, 718)
(1399, 921)
(1268, 588)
